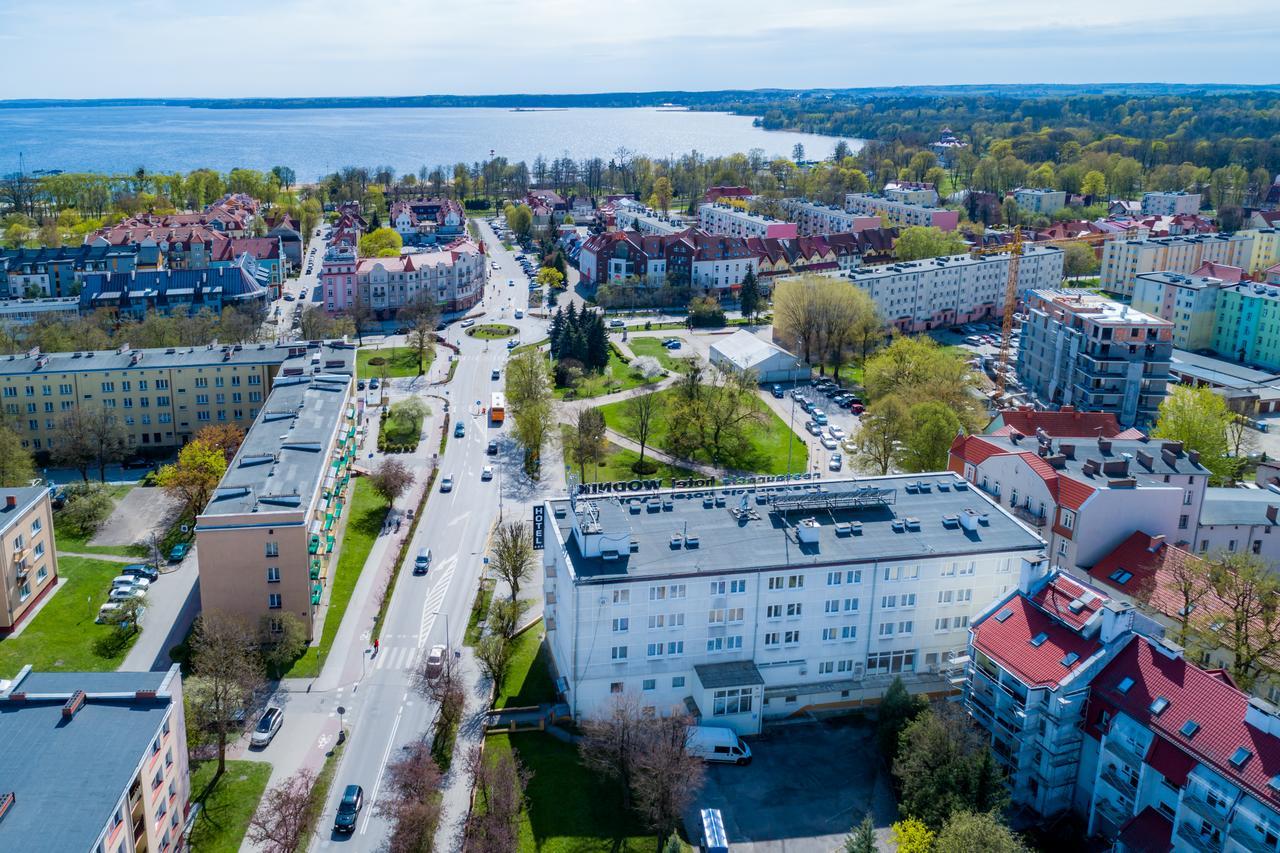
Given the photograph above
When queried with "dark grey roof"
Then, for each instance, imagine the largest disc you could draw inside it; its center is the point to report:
(1086, 449)
(767, 540)
(288, 356)
(26, 495)
(736, 673)
(1237, 506)
(214, 284)
(68, 776)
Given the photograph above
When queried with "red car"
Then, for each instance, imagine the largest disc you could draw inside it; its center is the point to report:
(857, 408)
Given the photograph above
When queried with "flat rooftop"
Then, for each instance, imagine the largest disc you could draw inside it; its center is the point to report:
(1226, 505)
(295, 355)
(1095, 308)
(882, 271)
(285, 454)
(68, 774)
(853, 521)
(1219, 371)
(1195, 282)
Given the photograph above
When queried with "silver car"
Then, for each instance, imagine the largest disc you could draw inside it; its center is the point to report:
(268, 724)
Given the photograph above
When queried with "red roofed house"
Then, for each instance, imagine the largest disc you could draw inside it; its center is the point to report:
(706, 262)
(1066, 422)
(1265, 219)
(1085, 495)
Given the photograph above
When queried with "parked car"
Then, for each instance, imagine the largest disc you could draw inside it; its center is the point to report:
(857, 408)
(435, 661)
(494, 374)
(616, 324)
(141, 570)
(513, 343)
(125, 593)
(674, 343)
(828, 442)
(812, 428)
(268, 724)
(360, 385)
(836, 432)
(179, 552)
(717, 743)
(134, 463)
(373, 384)
(837, 462)
(130, 582)
(486, 473)
(349, 810)
(819, 416)
(467, 324)
(519, 314)
(422, 562)
(107, 613)
(807, 406)
(446, 483)
(777, 392)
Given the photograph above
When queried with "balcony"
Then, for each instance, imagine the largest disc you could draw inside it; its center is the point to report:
(1121, 750)
(1196, 840)
(1121, 783)
(1035, 519)
(139, 835)
(1203, 809)
(1111, 812)
(1246, 839)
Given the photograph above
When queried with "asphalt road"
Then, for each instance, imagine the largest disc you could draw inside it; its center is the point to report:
(384, 714)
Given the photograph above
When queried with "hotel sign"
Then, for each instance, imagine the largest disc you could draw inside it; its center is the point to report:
(657, 484)
(539, 526)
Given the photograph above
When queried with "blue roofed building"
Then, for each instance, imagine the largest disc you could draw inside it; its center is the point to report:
(164, 291)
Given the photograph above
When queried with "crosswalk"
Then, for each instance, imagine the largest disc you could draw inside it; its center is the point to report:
(398, 657)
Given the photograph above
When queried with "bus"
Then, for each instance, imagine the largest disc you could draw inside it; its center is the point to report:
(498, 407)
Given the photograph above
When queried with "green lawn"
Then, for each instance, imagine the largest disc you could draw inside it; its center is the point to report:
(530, 679)
(400, 361)
(534, 345)
(76, 544)
(492, 331)
(399, 427)
(768, 440)
(618, 465)
(653, 347)
(618, 376)
(367, 510)
(568, 809)
(479, 611)
(62, 637)
(227, 805)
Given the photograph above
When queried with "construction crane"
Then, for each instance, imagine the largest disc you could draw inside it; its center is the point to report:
(1015, 249)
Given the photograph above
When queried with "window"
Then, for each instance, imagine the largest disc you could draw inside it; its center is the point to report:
(795, 581)
(735, 615)
(735, 700)
(273, 574)
(654, 650)
(905, 627)
(1182, 522)
(1067, 519)
(891, 662)
(853, 576)
(849, 632)
(826, 667)
(676, 591)
(272, 549)
(777, 583)
(832, 606)
(618, 653)
(715, 616)
(829, 635)
(833, 578)
(886, 629)
(772, 639)
(675, 647)
(888, 602)
(791, 638)
(794, 609)
(737, 587)
(620, 626)
(773, 611)
(273, 601)
(656, 620)
(24, 591)
(677, 681)
(718, 587)
(851, 605)
(649, 684)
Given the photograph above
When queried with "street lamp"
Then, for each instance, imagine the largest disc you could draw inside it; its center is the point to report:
(447, 642)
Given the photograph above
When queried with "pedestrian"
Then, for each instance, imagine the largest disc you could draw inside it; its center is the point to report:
(375, 646)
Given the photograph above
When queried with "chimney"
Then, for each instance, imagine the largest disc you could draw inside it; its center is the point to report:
(1271, 512)
(1157, 542)
(1262, 715)
(1194, 456)
(1145, 460)
(74, 704)
(1015, 436)
(1117, 620)
(1174, 447)
(1067, 450)
(1104, 445)
(11, 501)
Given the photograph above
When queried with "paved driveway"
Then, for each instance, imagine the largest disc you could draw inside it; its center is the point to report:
(805, 788)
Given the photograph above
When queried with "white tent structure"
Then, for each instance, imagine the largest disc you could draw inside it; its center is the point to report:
(744, 351)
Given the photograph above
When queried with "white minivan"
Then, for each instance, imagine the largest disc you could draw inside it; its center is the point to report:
(716, 743)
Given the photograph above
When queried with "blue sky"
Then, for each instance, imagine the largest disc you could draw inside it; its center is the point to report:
(234, 48)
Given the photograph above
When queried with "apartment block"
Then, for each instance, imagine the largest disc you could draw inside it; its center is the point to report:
(58, 272)
(338, 276)
(1086, 495)
(708, 262)
(1044, 201)
(1170, 204)
(1190, 302)
(452, 277)
(1266, 249)
(1237, 520)
(28, 554)
(135, 294)
(94, 761)
(730, 221)
(646, 220)
(1082, 349)
(429, 219)
(1247, 325)
(1124, 260)
(900, 213)
(912, 192)
(270, 532)
(16, 313)
(917, 296)
(745, 602)
(162, 397)
(813, 218)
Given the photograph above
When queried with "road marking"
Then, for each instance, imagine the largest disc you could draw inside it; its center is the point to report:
(435, 598)
(382, 766)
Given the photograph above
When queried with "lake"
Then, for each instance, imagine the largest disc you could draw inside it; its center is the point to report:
(315, 142)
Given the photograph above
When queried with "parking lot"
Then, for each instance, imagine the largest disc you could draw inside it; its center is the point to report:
(805, 788)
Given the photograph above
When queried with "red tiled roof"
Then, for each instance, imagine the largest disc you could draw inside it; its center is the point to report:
(1221, 271)
(1147, 832)
(1072, 493)
(1151, 561)
(1171, 762)
(1064, 423)
(1193, 694)
(1057, 596)
(1008, 642)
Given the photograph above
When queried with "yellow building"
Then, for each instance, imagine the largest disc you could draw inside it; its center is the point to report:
(1266, 250)
(28, 564)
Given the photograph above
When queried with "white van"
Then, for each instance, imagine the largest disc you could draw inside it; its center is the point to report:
(716, 743)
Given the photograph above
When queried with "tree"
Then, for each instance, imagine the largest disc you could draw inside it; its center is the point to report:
(534, 422)
(550, 277)
(500, 784)
(381, 243)
(1078, 260)
(584, 442)
(527, 382)
(513, 555)
(391, 479)
(286, 814)
(411, 803)
(87, 506)
(749, 297)
(897, 708)
(967, 831)
(17, 468)
(223, 437)
(194, 476)
(1248, 625)
(612, 740)
(494, 654)
(1241, 437)
(926, 241)
(519, 220)
(640, 412)
(863, 837)
(283, 639)
(884, 425)
(421, 341)
(911, 836)
(662, 193)
(941, 768)
(1189, 581)
(1200, 419)
(931, 427)
(918, 369)
(1094, 185)
(90, 437)
(227, 674)
(668, 776)
(445, 688)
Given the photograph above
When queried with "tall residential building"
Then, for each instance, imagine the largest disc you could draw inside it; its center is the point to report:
(815, 218)
(1190, 302)
(646, 220)
(1036, 200)
(135, 294)
(338, 276)
(912, 192)
(1170, 203)
(730, 221)
(1247, 325)
(1082, 349)
(742, 603)
(267, 538)
(28, 554)
(162, 397)
(1266, 249)
(452, 277)
(50, 272)
(900, 213)
(917, 296)
(693, 258)
(93, 761)
(1124, 260)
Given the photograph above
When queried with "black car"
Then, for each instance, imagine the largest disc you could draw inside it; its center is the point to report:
(141, 570)
(492, 449)
(349, 810)
(135, 463)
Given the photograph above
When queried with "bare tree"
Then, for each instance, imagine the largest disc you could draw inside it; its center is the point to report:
(882, 429)
(585, 442)
(411, 804)
(1241, 437)
(501, 783)
(641, 411)
(1190, 582)
(445, 688)
(227, 674)
(495, 653)
(1249, 625)
(667, 776)
(286, 814)
(91, 436)
(505, 617)
(513, 554)
(391, 479)
(611, 741)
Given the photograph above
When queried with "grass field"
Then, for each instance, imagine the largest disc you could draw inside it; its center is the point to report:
(530, 679)
(367, 511)
(492, 331)
(401, 361)
(62, 637)
(400, 427)
(767, 452)
(653, 347)
(618, 465)
(227, 805)
(618, 376)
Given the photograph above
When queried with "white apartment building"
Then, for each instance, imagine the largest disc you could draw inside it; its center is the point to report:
(813, 218)
(1190, 302)
(646, 220)
(912, 192)
(916, 296)
(744, 602)
(1040, 200)
(452, 276)
(1124, 260)
(1170, 203)
(1240, 520)
(901, 213)
(729, 221)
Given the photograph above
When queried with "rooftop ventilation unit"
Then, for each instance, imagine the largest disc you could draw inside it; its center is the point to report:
(1004, 615)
